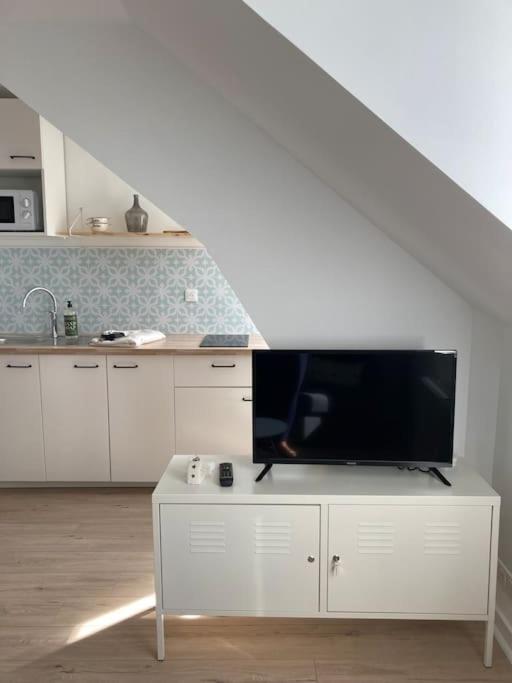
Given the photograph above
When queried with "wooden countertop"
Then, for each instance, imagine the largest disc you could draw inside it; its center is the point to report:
(172, 344)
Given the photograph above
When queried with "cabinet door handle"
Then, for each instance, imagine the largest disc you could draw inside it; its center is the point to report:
(125, 367)
(219, 365)
(10, 365)
(248, 400)
(21, 156)
(85, 367)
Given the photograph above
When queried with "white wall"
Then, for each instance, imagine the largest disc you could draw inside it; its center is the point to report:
(503, 457)
(436, 71)
(484, 387)
(309, 269)
(100, 192)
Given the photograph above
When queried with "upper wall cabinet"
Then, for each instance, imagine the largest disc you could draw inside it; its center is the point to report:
(32, 158)
(20, 144)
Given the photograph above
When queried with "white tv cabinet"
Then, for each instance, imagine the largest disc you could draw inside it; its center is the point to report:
(326, 541)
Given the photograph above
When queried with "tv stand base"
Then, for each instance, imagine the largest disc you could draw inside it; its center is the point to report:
(440, 476)
(264, 471)
(326, 543)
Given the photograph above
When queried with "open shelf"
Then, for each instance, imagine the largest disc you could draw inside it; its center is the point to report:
(158, 240)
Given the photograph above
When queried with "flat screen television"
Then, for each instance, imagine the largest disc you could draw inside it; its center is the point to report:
(354, 407)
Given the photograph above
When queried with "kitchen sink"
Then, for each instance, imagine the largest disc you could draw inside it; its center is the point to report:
(26, 339)
(39, 340)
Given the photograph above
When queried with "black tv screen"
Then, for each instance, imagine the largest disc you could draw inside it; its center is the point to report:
(354, 407)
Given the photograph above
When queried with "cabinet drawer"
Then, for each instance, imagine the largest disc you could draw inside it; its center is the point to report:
(213, 370)
(232, 558)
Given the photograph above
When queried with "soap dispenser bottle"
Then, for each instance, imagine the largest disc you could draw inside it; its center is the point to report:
(70, 321)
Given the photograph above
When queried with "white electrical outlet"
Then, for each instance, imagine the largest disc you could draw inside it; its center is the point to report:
(191, 296)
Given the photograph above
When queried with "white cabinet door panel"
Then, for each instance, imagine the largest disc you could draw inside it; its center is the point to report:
(409, 559)
(213, 420)
(230, 558)
(19, 136)
(21, 446)
(140, 395)
(75, 417)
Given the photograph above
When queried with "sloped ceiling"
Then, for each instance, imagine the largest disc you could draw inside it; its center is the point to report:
(108, 79)
(438, 72)
(342, 142)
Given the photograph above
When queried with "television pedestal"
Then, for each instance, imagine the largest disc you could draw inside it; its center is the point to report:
(440, 476)
(326, 542)
(266, 469)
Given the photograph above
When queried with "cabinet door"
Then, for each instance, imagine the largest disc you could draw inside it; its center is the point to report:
(19, 136)
(21, 450)
(229, 558)
(75, 417)
(141, 414)
(213, 420)
(409, 559)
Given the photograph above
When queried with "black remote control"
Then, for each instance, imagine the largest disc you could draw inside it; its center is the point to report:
(226, 474)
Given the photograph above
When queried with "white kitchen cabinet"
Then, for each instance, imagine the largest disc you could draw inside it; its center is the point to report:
(21, 449)
(32, 158)
(213, 420)
(140, 391)
(20, 145)
(213, 403)
(75, 417)
(423, 555)
(263, 558)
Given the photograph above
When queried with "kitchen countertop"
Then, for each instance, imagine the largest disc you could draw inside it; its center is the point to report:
(172, 344)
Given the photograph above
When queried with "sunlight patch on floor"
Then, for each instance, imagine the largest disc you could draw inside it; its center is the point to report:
(108, 619)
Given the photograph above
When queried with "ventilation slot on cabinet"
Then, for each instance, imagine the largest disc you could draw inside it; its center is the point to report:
(376, 538)
(272, 538)
(441, 538)
(207, 537)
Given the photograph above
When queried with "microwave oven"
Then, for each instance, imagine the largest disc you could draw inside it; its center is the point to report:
(19, 211)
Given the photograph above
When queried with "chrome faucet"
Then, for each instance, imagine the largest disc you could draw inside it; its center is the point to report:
(53, 314)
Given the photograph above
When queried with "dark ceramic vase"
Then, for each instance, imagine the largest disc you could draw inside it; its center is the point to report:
(136, 217)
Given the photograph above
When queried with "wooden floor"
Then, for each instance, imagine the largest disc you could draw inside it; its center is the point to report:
(75, 573)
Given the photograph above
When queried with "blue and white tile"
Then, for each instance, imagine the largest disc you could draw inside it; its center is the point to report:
(119, 288)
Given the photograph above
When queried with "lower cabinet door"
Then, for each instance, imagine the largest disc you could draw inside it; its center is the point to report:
(141, 416)
(408, 559)
(216, 420)
(232, 558)
(75, 417)
(21, 432)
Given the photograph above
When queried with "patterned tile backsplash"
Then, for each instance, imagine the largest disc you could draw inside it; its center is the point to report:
(120, 289)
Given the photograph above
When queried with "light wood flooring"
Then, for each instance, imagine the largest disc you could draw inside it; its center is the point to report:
(72, 561)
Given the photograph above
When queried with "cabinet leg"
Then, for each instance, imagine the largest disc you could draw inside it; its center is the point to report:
(489, 642)
(160, 637)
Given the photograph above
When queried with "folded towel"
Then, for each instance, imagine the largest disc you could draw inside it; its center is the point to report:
(132, 338)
